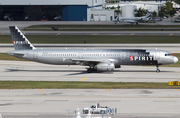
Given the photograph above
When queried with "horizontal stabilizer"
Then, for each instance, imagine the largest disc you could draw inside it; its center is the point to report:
(16, 54)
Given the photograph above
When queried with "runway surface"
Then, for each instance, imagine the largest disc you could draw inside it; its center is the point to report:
(32, 71)
(54, 103)
(173, 48)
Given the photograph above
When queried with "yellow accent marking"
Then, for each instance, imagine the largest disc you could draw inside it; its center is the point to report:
(179, 83)
(41, 90)
(83, 79)
(178, 89)
(131, 34)
(170, 83)
(58, 34)
(108, 89)
(170, 34)
(94, 34)
(1, 34)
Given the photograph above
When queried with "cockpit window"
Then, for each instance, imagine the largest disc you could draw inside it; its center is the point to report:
(168, 55)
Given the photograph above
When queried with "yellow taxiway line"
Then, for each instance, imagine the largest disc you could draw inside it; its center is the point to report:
(170, 34)
(41, 90)
(131, 34)
(94, 34)
(1, 34)
(58, 34)
(108, 89)
(83, 79)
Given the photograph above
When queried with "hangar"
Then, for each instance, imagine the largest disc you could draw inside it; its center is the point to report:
(65, 10)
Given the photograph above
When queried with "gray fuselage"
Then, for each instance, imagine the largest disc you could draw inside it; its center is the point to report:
(79, 56)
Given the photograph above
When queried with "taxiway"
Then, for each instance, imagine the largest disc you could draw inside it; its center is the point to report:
(32, 71)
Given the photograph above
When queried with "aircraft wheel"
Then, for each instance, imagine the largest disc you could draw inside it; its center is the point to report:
(157, 70)
(89, 70)
(102, 112)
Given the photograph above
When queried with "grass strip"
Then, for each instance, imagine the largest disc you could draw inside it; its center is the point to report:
(4, 56)
(104, 26)
(97, 39)
(82, 85)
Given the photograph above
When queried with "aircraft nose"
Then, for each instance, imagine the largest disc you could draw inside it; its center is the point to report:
(175, 59)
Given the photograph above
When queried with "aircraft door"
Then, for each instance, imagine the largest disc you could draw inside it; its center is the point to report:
(80, 55)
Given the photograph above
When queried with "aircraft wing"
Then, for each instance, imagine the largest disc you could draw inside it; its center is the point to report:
(87, 60)
(130, 21)
(91, 60)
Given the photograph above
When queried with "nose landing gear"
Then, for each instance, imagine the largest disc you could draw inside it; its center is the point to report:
(158, 70)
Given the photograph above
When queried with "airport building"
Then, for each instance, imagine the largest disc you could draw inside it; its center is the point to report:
(65, 10)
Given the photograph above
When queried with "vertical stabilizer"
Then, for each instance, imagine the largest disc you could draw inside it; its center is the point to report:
(19, 40)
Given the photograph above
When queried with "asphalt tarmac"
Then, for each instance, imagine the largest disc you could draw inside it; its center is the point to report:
(54, 103)
(32, 71)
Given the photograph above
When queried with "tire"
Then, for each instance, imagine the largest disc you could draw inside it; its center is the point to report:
(89, 70)
(102, 112)
(85, 111)
(157, 70)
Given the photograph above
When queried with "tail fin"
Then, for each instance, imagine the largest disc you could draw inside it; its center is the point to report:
(148, 15)
(19, 40)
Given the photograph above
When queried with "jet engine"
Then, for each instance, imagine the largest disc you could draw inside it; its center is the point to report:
(105, 67)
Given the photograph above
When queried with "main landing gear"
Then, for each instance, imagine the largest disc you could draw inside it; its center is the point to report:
(157, 69)
(90, 69)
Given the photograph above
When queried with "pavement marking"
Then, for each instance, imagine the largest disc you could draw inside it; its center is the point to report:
(94, 34)
(178, 51)
(83, 79)
(108, 89)
(41, 90)
(1, 34)
(58, 34)
(178, 89)
(170, 34)
(131, 34)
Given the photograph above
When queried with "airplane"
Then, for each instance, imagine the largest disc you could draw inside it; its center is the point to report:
(133, 20)
(96, 59)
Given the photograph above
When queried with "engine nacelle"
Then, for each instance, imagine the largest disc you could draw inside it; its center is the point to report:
(105, 67)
